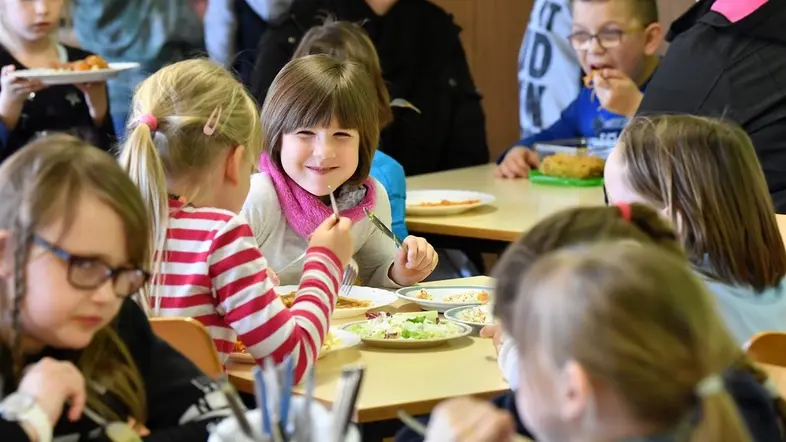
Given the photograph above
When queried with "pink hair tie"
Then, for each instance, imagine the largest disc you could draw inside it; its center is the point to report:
(625, 211)
(150, 121)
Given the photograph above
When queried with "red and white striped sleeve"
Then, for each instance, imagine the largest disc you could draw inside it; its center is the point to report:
(245, 297)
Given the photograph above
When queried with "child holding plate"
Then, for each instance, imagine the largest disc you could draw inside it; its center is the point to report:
(29, 108)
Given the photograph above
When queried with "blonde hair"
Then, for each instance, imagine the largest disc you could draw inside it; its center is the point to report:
(639, 323)
(312, 90)
(186, 99)
(572, 227)
(40, 184)
(343, 40)
(706, 174)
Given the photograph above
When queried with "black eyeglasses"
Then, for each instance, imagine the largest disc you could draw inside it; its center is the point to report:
(89, 273)
(607, 38)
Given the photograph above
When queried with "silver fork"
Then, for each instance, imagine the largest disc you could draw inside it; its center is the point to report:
(351, 269)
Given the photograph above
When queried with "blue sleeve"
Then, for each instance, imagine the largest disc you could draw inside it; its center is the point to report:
(566, 127)
(392, 177)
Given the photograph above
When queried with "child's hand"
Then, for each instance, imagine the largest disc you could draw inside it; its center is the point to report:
(336, 236)
(273, 277)
(517, 163)
(469, 420)
(97, 101)
(494, 332)
(415, 260)
(617, 92)
(14, 92)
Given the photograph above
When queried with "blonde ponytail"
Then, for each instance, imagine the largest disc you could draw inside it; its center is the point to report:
(141, 161)
(720, 420)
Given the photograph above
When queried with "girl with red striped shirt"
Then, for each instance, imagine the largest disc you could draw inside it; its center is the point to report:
(193, 141)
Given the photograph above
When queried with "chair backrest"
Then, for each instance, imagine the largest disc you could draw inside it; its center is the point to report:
(191, 338)
(767, 348)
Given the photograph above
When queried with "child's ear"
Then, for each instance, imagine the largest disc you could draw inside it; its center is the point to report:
(235, 164)
(574, 392)
(653, 35)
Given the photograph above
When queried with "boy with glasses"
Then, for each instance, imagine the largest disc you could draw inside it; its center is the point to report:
(616, 42)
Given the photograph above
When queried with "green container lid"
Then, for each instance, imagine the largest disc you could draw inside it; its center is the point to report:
(536, 177)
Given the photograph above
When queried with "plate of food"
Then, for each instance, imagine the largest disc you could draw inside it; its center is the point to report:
(475, 316)
(337, 339)
(445, 202)
(360, 300)
(407, 330)
(445, 298)
(89, 70)
(563, 169)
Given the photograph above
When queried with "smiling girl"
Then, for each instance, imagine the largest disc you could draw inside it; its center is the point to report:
(321, 127)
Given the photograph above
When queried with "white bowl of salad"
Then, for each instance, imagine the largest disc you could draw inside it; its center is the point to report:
(475, 316)
(445, 298)
(407, 330)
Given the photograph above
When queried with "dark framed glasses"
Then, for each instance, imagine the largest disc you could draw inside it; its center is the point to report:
(89, 273)
(607, 38)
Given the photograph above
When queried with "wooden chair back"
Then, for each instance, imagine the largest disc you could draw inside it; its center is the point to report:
(191, 338)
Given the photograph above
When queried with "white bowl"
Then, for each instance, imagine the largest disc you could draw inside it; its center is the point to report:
(438, 293)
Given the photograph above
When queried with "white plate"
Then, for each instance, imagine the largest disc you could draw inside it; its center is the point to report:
(321, 418)
(417, 197)
(439, 293)
(455, 314)
(412, 343)
(53, 76)
(345, 340)
(378, 298)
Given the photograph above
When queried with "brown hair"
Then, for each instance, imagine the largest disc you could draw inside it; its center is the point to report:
(343, 40)
(574, 227)
(645, 11)
(309, 92)
(185, 98)
(41, 183)
(639, 323)
(705, 173)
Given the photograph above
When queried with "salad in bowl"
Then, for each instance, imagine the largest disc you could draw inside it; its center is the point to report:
(407, 330)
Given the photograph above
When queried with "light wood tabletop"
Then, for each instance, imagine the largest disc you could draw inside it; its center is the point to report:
(519, 205)
(410, 380)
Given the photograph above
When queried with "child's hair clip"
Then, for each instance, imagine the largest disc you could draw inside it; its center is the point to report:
(212, 122)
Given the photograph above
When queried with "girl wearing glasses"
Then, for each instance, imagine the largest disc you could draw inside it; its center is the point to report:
(617, 43)
(73, 250)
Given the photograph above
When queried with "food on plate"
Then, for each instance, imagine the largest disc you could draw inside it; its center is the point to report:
(459, 298)
(405, 326)
(572, 166)
(477, 315)
(331, 341)
(343, 302)
(91, 63)
(445, 203)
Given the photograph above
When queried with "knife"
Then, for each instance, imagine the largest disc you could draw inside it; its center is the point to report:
(382, 227)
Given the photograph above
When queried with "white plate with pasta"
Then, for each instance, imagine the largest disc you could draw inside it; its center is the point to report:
(359, 301)
(445, 202)
(337, 339)
(475, 316)
(445, 298)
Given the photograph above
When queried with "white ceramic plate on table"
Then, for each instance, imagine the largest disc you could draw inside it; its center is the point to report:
(445, 202)
(52, 77)
(469, 315)
(376, 297)
(444, 298)
(449, 330)
(342, 340)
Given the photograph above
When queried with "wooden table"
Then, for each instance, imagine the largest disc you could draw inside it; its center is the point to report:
(519, 205)
(410, 380)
